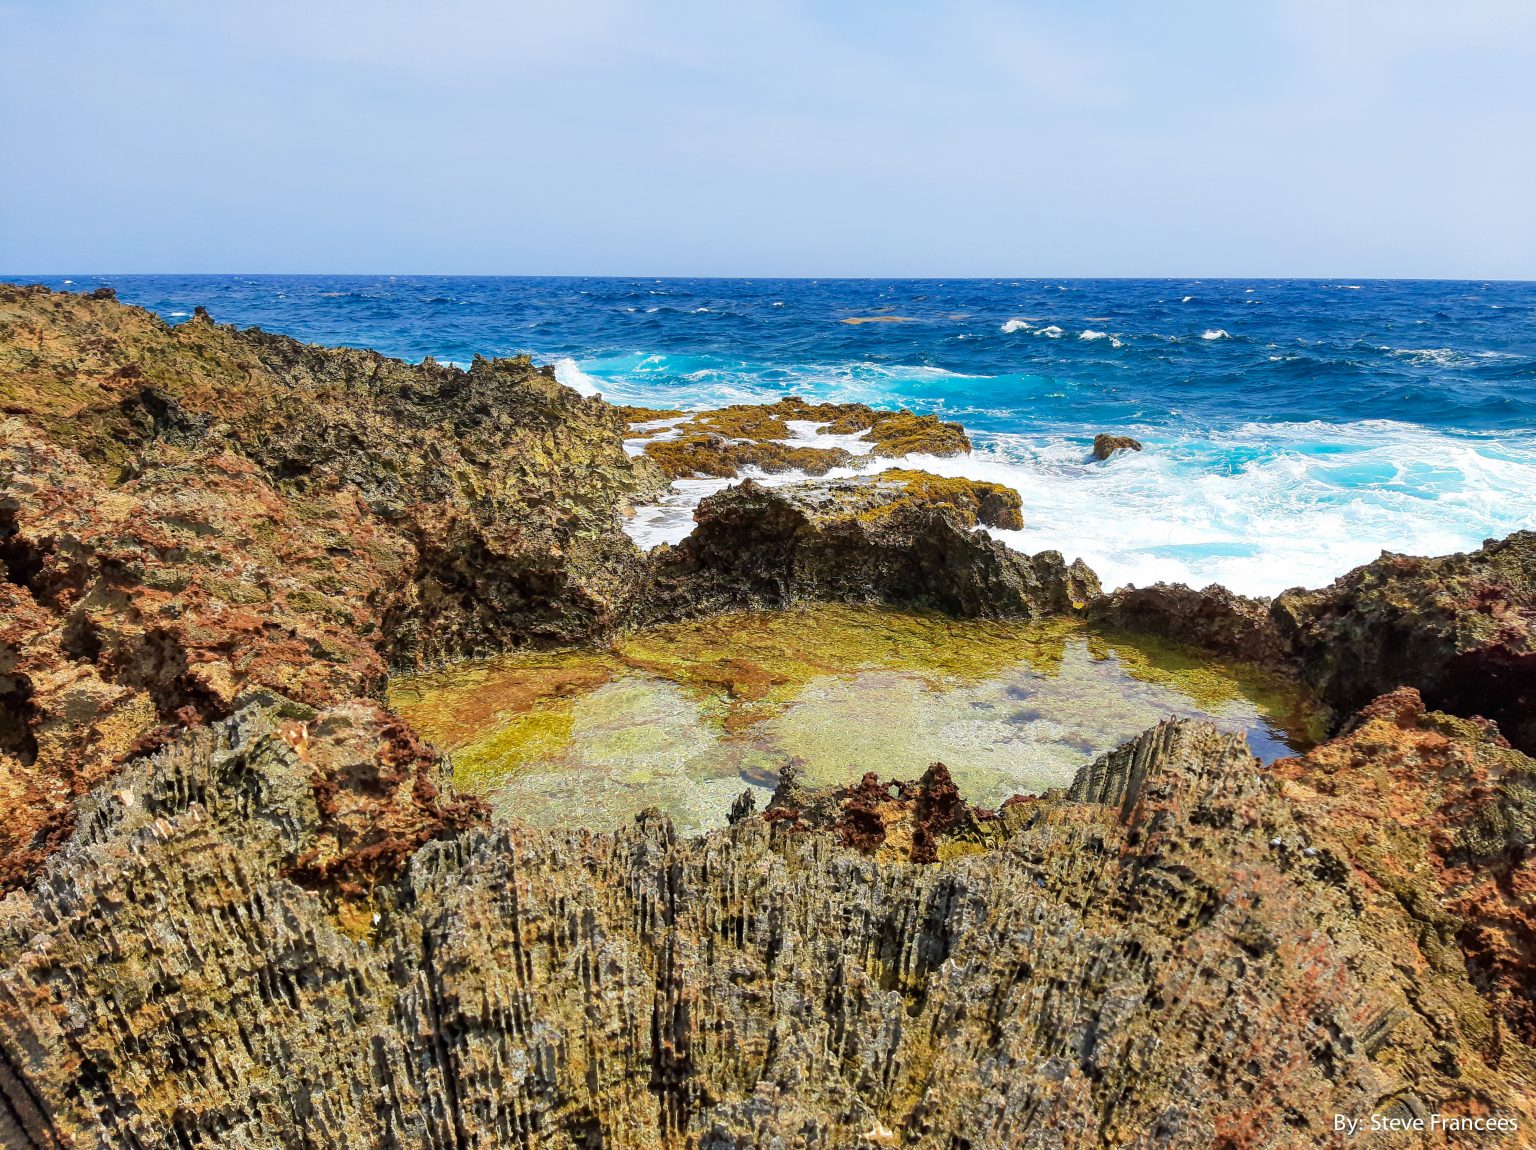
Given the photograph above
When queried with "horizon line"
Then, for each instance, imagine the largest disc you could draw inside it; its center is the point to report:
(23, 279)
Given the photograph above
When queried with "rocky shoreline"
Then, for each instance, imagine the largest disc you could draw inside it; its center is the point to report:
(243, 905)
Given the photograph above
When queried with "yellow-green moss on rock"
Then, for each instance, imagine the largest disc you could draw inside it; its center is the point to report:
(722, 442)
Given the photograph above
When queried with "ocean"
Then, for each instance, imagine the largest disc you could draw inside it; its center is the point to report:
(1293, 429)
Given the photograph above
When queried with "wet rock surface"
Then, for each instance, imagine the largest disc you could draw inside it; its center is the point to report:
(1106, 445)
(1171, 953)
(789, 435)
(867, 540)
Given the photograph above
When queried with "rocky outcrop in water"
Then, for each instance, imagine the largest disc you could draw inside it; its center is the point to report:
(1174, 953)
(1234, 626)
(726, 441)
(902, 539)
(1460, 629)
(1106, 445)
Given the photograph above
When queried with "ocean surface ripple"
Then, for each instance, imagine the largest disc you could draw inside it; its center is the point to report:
(1293, 429)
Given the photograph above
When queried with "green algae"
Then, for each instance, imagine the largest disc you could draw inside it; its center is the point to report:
(688, 715)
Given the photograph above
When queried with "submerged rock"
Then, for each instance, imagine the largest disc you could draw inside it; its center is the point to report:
(903, 539)
(1166, 955)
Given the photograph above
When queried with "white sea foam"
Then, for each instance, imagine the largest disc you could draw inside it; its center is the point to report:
(1215, 333)
(574, 378)
(1014, 325)
(1186, 299)
(1258, 509)
(173, 315)
(1311, 501)
(1052, 331)
(1091, 335)
(808, 433)
(656, 431)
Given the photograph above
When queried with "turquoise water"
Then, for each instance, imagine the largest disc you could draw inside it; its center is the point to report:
(1293, 428)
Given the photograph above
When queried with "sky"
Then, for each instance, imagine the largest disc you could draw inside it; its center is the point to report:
(758, 138)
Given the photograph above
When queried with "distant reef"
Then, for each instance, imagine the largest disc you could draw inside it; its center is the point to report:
(242, 904)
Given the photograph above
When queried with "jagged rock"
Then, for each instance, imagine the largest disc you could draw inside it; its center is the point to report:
(1236, 626)
(858, 540)
(1459, 628)
(1166, 956)
(188, 514)
(1440, 814)
(1106, 445)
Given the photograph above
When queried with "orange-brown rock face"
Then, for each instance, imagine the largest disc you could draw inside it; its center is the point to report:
(190, 514)
(1438, 815)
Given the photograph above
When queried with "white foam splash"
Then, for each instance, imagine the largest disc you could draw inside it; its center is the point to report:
(808, 433)
(1014, 325)
(1052, 331)
(1092, 335)
(1215, 333)
(574, 378)
(1311, 501)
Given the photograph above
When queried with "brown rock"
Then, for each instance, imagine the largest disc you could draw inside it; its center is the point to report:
(1461, 629)
(725, 441)
(871, 540)
(1106, 445)
(1235, 626)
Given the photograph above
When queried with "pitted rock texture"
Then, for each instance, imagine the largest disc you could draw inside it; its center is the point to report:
(1441, 815)
(869, 540)
(1459, 628)
(1235, 626)
(191, 513)
(1167, 956)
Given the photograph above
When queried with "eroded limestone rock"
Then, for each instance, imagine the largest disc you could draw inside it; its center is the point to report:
(1166, 955)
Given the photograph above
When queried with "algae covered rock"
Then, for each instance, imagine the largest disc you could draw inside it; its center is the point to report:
(902, 538)
(786, 436)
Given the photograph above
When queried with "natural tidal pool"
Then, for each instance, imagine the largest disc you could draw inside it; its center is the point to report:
(686, 716)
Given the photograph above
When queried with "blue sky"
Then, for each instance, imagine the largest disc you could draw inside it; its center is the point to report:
(674, 137)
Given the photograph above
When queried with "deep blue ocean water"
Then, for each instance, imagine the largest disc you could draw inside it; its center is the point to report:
(1293, 429)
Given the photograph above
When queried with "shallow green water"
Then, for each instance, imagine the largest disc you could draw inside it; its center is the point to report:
(687, 716)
